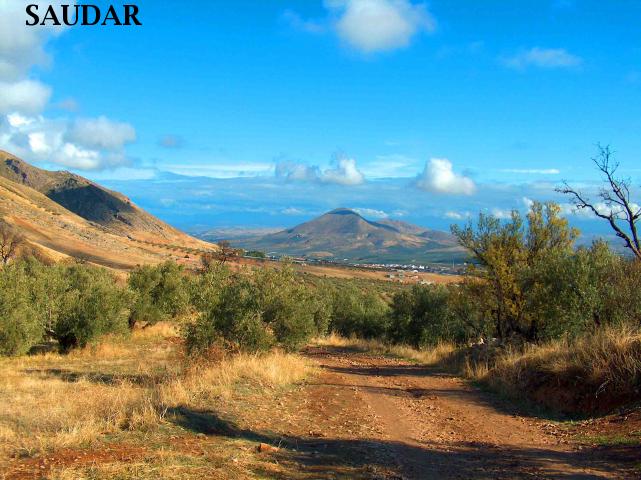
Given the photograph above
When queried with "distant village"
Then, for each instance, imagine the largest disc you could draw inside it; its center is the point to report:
(395, 271)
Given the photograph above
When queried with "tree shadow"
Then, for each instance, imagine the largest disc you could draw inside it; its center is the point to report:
(312, 457)
(141, 380)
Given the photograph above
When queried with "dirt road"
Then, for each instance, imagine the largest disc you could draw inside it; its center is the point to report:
(412, 422)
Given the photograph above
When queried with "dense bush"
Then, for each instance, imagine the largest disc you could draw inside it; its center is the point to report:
(20, 327)
(358, 311)
(422, 315)
(255, 310)
(160, 292)
(93, 305)
(72, 304)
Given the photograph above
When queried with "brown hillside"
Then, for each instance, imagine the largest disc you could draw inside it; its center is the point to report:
(69, 216)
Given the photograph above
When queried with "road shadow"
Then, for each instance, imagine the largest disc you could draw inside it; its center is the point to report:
(473, 392)
(312, 457)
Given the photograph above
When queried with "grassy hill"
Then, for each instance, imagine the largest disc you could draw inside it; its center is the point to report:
(66, 215)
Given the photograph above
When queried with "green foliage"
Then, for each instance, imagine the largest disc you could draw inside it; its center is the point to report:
(20, 327)
(422, 316)
(508, 253)
(160, 292)
(71, 304)
(358, 311)
(93, 305)
(255, 310)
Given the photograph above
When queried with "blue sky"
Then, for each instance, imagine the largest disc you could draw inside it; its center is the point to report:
(280, 110)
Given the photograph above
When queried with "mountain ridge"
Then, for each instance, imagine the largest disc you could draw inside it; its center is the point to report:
(344, 234)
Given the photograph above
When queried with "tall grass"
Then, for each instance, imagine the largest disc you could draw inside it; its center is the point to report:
(52, 401)
(594, 373)
(590, 374)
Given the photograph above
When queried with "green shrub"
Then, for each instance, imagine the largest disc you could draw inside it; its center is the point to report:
(360, 312)
(161, 292)
(20, 326)
(255, 310)
(93, 305)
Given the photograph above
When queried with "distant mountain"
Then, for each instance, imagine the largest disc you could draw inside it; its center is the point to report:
(68, 215)
(344, 234)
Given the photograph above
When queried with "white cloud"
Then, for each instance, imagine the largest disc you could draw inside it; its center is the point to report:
(297, 171)
(22, 46)
(532, 171)
(439, 177)
(345, 172)
(24, 96)
(568, 209)
(342, 172)
(16, 120)
(457, 215)
(371, 213)
(501, 213)
(379, 25)
(39, 139)
(101, 133)
(543, 58)
(292, 211)
(88, 144)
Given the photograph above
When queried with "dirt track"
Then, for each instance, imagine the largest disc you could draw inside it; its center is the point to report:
(432, 425)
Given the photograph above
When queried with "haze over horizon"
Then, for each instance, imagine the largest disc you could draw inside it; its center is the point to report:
(268, 114)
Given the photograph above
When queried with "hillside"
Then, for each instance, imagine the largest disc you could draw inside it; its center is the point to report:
(344, 234)
(88, 200)
(66, 215)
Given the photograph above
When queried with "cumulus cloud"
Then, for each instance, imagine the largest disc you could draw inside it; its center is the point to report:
(102, 133)
(342, 172)
(543, 58)
(379, 25)
(439, 177)
(22, 47)
(39, 139)
(25, 96)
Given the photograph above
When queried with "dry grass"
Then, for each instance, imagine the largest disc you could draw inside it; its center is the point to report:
(593, 373)
(430, 355)
(52, 401)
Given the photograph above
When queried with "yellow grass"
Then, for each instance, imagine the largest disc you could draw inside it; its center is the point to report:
(606, 364)
(429, 355)
(53, 401)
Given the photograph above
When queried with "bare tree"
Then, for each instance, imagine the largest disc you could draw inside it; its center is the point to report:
(225, 252)
(206, 261)
(615, 205)
(10, 241)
